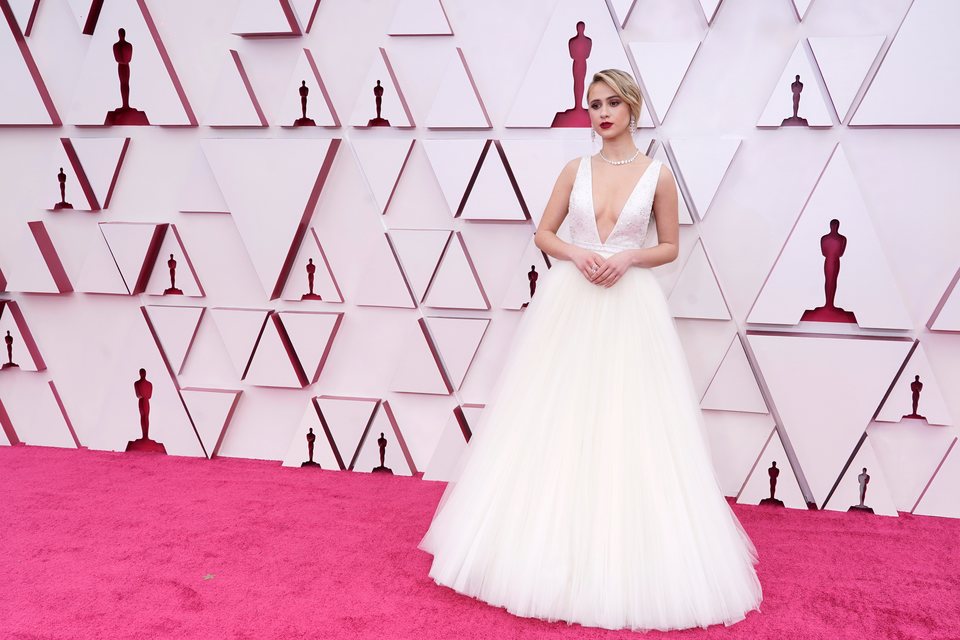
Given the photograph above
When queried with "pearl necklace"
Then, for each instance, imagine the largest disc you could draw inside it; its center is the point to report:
(635, 156)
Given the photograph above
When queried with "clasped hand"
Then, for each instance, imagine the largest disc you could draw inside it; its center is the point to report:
(601, 271)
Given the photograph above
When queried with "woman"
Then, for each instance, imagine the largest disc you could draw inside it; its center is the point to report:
(587, 493)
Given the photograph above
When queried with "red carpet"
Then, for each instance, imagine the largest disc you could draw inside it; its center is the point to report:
(105, 545)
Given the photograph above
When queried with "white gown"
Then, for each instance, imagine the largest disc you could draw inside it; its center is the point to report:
(587, 492)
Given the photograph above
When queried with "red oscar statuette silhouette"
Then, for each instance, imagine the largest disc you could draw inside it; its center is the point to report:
(915, 388)
(378, 96)
(532, 276)
(63, 204)
(832, 246)
(304, 121)
(579, 47)
(144, 390)
(773, 472)
(125, 114)
(863, 479)
(382, 442)
(172, 289)
(311, 438)
(9, 364)
(311, 271)
(796, 121)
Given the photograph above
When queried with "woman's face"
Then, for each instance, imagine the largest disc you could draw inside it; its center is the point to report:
(609, 113)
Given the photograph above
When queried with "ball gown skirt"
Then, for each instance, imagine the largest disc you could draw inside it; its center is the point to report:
(587, 493)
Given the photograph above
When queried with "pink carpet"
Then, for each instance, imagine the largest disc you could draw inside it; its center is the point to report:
(105, 545)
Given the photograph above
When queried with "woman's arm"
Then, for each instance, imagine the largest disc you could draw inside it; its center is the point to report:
(668, 225)
(554, 213)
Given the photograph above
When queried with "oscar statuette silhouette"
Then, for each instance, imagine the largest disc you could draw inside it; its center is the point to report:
(773, 472)
(532, 276)
(311, 438)
(63, 204)
(311, 272)
(9, 364)
(579, 47)
(124, 114)
(863, 479)
(915, 388)
(796, 121)
(143, 389)
(172, 289)
(378, 96)
(832, 246)
(304, 121)
(382, 442)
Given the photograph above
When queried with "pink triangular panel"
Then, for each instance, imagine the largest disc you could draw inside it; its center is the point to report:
(176, 327)
(734, 386)
(265, 18)
(844, 62)
(419, 368)
(234, 104)
(420, 18)
(909, 454)
(877, 495)
(931, 404)
(101, 160)
(393, 107)
(813, 104)
(211, 410)
(382, 283)
(382, 161)
(395, 454)
(347, 418)
(683, 211)
(697, 293)
(24, 350)
(702, 163)
(941, 497)
(272, 187)
(454, 162)
(493, 195)
(458, 104)
(662, 67)
(419, 251)
(199, 192)
(457, 341)
(184, 276)
(311, 334)
(323, 452)
(847, 377)
(240, 330)
(155, 88)
(131, 244)
(25, 97)
(324, 282)
(320, 108)
(274, 363)
(757, 486)
(99, 273)
(866, 285)
(456, 284)
(33, 408)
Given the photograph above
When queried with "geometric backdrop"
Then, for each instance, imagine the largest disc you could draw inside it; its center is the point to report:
(303, 217)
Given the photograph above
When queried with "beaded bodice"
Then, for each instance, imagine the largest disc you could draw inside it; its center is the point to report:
(630, 230)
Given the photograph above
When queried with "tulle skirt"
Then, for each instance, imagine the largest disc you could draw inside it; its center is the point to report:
(587, 493)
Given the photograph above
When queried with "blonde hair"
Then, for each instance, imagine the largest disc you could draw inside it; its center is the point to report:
(624, 86)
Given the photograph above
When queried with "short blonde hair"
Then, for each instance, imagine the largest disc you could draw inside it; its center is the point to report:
(624, 86)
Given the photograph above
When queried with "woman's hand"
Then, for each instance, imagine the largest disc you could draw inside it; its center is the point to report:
(612, 269)
(587, 261)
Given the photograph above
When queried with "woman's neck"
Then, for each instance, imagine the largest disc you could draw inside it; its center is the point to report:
(620, 148)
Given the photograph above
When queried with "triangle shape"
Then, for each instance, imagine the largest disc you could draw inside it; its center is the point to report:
(531, 272)
(931, 406)
(493, 195)
(305, 100)
(134, 246)
(796, 99)
(454, 163)
(32, 404)
(154, 88)
(662, 67)
(458, 104)
(622, 10)
(683, 210)
(384, 431)
(911, 86)
(393, 110)
(734, 386)
(173, 272)
(306, 11)
(26, 101)
(311, 335)
(240, 330)
(234, 103)
(940, 496)
(311, 257)
(710, 9)
(703, 162)
(697, 293)
(382, 283)
(795, 288)
(735, 440)
(457, 341)
(456, 284)
(274, 364)
(547, 95)
(211, 411)
(324, 451)
(419, 369)
(100, 273)
(909, 454)
(419, 252)
(19, 347)
(282, 177)
(420, 18)
(847, 376)
(346, 420)
(844, 63)
(175, 328)
(256, 18)
(877, 494)
(100, 160)
(946, 317)
(801, 7)
(382, 161)
(757, 486)
(26, 268)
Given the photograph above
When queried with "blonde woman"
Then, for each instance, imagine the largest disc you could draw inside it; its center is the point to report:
(587, 493)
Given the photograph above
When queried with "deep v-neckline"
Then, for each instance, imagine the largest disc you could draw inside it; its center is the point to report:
(593, 206)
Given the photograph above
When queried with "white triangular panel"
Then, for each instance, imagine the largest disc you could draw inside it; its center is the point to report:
(662, 67)
(382, 161)
(175, 327)
(458, 104)
(683, 211)
(518, 291)
(812, 105)
(239, 329)
(211, 410)
(866, 285)
(419, 18)
(418, 369)
(454, 163)
(368, 456)
(324, 282)
(492, 196)
(273, 364)
(102, 159)
(457, 340)
(757, 486)
(734, 386)
(941, 497)
(234, 104)
(393, 107)
(931, 404)
(24, 93)
(320, 108)
(877, 495)
(419, 251)
(735, 439)
(199, 191)
(702, 163)
(697, 293)
(844, 62)
(455, 285)
(909, 454)
(382, 284)
(311, 336)
(298, 453)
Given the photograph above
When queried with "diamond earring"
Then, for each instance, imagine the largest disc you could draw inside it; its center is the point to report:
(593, 134)
(633, 125)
